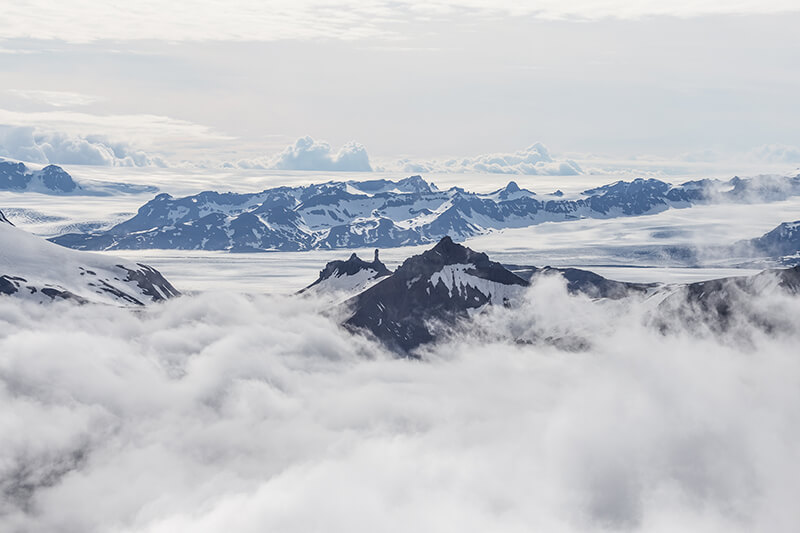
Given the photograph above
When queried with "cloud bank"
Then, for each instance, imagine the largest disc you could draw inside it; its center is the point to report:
(534, 160)
(224, 412)
(55, 98)
(309, 154)
(27, 144)
(252, 20)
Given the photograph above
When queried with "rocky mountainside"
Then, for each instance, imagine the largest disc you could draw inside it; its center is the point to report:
(34, 269)
(431, 293)
(386, 213)
(782, 241)
(720, 305)
(441, 285)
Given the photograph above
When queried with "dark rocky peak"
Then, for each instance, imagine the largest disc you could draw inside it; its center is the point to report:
(448, 252)
(4, 219)
(56, 178)
(428, 292)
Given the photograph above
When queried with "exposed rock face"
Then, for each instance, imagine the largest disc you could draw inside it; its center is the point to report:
(3, 219)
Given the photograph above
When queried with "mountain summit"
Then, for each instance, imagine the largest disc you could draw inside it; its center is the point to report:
(441, 285)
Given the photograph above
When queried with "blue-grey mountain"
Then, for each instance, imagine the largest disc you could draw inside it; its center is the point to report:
(388, 213)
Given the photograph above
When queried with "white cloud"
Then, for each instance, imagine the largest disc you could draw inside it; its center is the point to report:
(220, 411)
(534, 160)
(777, 153)
(62, 136)
(27, 144)
(309, 154)
(253, 20)
(144, 130)
(55, 98)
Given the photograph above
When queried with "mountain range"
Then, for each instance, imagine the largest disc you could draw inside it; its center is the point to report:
(431, 294)
(385, 213)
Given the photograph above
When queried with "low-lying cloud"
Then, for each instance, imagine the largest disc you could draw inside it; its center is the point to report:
(534, 160)
(258, 413)
(309, 154)
(26, 143)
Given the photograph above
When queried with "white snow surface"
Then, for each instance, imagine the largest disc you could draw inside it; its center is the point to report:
(43, 264)
(340, 286)
(457, 279)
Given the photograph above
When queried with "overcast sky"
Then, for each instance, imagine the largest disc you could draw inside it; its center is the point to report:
(225, 81)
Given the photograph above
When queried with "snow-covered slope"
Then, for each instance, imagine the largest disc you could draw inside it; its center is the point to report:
(37, 270)
(346, 278)
(386, 213)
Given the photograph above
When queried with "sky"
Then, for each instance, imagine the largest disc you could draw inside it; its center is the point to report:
(338, 85)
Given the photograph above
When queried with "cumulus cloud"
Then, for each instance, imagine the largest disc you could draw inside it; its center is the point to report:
(28, 144)
(222, 411)
(534, 160)
(309, 154)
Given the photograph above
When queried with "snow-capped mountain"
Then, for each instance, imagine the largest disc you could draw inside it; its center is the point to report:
(430, 293)
(52, 179)
(40, 271)
(17, 176)
(348, 277)
(387, 213)
(440, 285)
